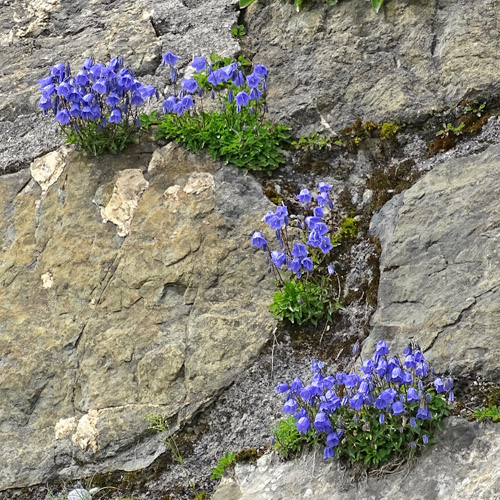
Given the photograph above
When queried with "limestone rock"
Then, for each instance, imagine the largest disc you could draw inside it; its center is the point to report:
(332, 64)
(440, 267)
(463, 465)
(158, 321)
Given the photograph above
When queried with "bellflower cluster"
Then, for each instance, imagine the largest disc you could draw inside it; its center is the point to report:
(386, 408)
(296, 256)
(241, 91)
(100, 101)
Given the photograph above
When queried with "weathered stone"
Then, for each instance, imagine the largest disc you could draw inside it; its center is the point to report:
(37, 33)
(463, 465)
(98, 330)
(440, 267)
(332, 64)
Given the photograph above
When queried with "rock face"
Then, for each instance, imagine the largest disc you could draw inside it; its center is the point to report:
(464, 465)
(37, 33)
(96, 329)
(440, 267)
(333, 64)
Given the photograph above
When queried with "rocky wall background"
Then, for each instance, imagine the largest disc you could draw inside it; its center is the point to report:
(127, 285)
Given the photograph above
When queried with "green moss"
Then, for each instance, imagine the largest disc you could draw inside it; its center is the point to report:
(494, 397)
(388, 130)
(248, 455)
(348, 231)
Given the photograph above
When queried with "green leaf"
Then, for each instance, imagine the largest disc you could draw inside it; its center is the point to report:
(245, 3)
(376, 4)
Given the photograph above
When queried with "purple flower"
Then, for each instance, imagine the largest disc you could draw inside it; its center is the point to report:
(331, 269)
(425, 439)
(325, 245)
(356, 402)
(290, 407)
(317, 366)
(351, 380)
(424, 413)
(242, 99)
(304, 196)
(253, 80)
(303, 425)
(189, 84)
(278, 258)
(332, 439)
(398, 408)
(113, 99)
(438, 384)
(258, 240)
(63, 117)
(299, 250)
(329, 452)
(282, 387)
(116, 116)
(255, 94)
(411, 394)
(381, 349)
(168, 104)
(413, 422)
(169, 58)
(318, 212)
(322, 199)
(324, 187)
(101, 86)
(381, 418)
(307, 264)
(422, 369)
(199, 64)
(451, 397)
(295, 265)
(367, 366)
(44, 103)
(260, 70)
(322, 422)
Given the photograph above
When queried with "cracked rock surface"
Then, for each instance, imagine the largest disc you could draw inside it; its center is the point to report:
(330, 66)
(464, 465)
(36, 34)
(440, 267)
(129, 325)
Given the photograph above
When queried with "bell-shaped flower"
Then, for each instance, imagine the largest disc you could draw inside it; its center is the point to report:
(278, 258)
(169, 58)
(187, 102)
(255, 95)
(113, 100)
(398, 408)
(324, 187)
(43, 82)
(322, 422)
(299, 250)
(63, 117)
(168, 104)
(331, 269)
(322, 199)
(438, 384)
(86, 113)
(295, 265)
(258, 240)
(325, 245)
(147, 91)
(82, 78)
(307, 264)
(304, 196)
(75, 110)
(199, 64)
(253, 80)
(242, 99)
(44, 103)
(290, 407)
(260, 70)
(137, 99)
(100, 86)
(381, 349)
(116, 116)
(303, 425)
(189, 84)
(356, 402)
(411, 394)
(282, 387)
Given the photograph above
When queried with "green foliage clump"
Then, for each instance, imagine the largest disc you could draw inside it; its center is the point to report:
(371, 443)
(226, 461)
(241, 139)
(348, 231)
(239, 31)
(288, 441)
(315, 141)
(492, 414)
(304, 301)
(450, 128)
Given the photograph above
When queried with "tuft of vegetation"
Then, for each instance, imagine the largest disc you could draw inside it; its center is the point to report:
(239, 31)
(391, 409)
(228, 460)
(315, 141)
(449, 128)
(348, 231)
(304, 301)
(288, 441)
(489, 414)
